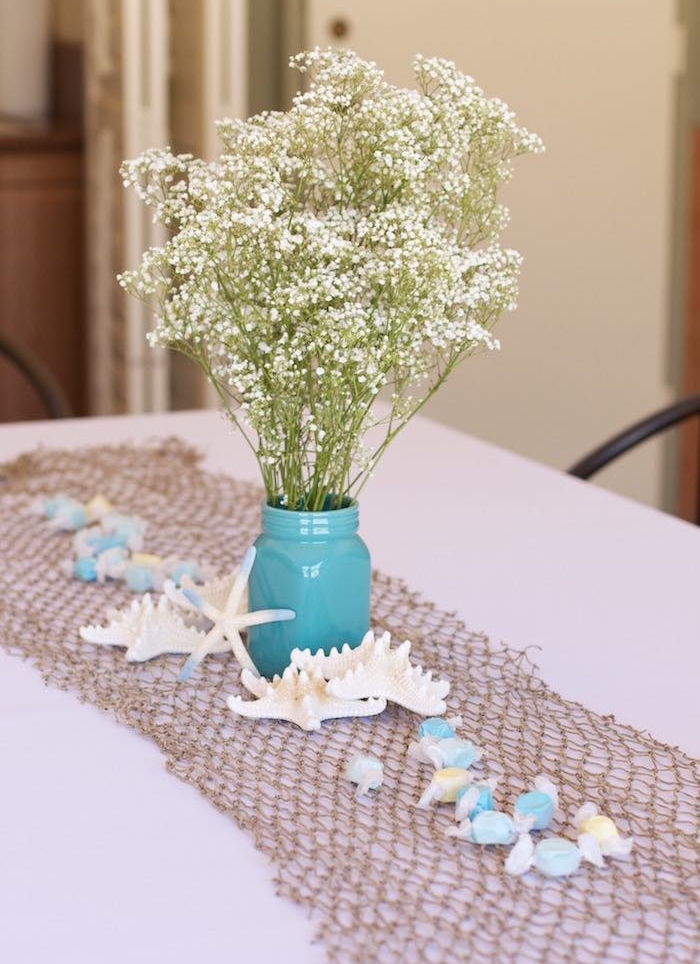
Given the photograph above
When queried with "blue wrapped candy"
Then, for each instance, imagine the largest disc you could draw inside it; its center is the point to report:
(439, 728)
(84, 569)
(491, 827)
(557, 857)
(452, 752)
(111, 563)
(51, 506)
(539, 804)
(553, 857)
(184, 569)
(474, 799)
(140, 578)
(127, 525)
(65, 513)
(93, 542)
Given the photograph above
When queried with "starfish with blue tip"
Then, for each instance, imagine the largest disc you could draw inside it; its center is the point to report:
(227, 622)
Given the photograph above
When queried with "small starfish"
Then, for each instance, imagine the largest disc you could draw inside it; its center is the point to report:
(375, 669)
(298, 697)
(227, 621)
(147, 630)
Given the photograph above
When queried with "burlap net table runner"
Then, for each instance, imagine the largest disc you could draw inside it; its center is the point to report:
(382, 879)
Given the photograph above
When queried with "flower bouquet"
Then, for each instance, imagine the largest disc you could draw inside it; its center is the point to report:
(341, 249)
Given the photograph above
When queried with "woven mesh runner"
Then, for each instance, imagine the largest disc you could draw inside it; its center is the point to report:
(383, 880)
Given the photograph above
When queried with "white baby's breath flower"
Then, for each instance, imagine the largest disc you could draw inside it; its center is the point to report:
(343, 247)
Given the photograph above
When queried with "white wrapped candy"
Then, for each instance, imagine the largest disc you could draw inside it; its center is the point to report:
(366, 772)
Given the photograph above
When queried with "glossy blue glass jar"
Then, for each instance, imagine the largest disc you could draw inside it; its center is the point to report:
(316, 564)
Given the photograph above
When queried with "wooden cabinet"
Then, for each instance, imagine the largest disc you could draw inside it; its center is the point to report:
(42, 260)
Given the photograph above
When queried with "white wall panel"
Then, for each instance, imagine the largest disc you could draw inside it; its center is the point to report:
(145, 125)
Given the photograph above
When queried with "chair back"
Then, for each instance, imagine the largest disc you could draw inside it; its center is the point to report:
(37, 374)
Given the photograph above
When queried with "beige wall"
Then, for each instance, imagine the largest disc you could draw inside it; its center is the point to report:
(187, 137)
(586, 352)
(68, 20)
(186, 76)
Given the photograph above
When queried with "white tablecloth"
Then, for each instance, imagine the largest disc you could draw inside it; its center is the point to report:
(106, 858)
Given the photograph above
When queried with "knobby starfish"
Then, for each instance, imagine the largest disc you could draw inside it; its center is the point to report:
(375, 669)
(299, 697)
(147, 630)
(216, 591)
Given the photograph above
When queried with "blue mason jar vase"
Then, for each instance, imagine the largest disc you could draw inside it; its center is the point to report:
(316, 564)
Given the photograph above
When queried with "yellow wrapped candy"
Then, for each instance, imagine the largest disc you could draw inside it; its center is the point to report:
(97, 507)
(603, 830)
(148, 559)
(444, 786)
(600, 827)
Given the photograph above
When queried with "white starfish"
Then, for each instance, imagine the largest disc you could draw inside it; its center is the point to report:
(228, 620)
(146, 630)
(375, 669)
(216, 591)
(298, 697)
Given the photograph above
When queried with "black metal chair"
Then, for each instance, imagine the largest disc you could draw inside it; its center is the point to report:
(38, 375)
(642, 430)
